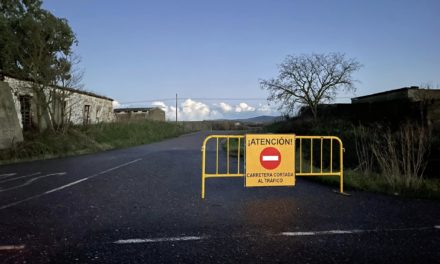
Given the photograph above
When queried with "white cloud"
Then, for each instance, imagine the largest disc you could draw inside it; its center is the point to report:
(191, 110)
(225, 107)
(116, 104)
(243, 107)
(265, 109)
(161, 105)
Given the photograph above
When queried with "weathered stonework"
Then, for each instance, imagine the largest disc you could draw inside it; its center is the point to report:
(10, 130)
(100, 107)
(126, 114)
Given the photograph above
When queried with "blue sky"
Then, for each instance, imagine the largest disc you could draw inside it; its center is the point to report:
(148, 51)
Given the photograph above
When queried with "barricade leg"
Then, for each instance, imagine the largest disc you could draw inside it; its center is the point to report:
(203, 171)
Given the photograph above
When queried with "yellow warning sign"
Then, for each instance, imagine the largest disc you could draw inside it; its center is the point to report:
(270, 160)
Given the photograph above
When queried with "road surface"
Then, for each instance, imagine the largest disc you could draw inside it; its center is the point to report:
(142, 205)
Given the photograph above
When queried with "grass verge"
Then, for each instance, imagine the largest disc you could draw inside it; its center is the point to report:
(88, 139)
(353, 180)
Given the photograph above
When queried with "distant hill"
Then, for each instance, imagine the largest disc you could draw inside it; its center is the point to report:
(260, 119)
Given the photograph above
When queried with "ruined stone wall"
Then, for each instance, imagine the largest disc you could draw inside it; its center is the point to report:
(10, 130)
(156, 114)
(19, 88)
(101, 109)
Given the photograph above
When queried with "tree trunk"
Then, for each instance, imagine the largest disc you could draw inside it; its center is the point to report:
(314, 109)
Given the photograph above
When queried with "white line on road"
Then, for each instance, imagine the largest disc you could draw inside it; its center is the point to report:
(329, 232)
(67, 185)
(354, 231)
(299, 233)
(7, 175)
(12, 247)
(20, 177)
(32, 180)
(155, 240)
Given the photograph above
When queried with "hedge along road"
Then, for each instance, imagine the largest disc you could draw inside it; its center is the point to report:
(142, 205)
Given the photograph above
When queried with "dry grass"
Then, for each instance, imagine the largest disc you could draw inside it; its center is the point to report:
(89, 139)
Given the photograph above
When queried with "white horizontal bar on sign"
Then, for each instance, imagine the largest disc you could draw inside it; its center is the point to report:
(270, 158)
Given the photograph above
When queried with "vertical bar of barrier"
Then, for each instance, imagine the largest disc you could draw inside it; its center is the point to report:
(300, 155)
(238, 160)
(203, 169)
(216, 158)
(311, 155)
(227, 157)
(321, 154)
(341, 180)
(331, 155)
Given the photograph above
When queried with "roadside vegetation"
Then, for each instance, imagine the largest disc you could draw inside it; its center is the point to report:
(233, 147)
(397, 160)
(89, 139)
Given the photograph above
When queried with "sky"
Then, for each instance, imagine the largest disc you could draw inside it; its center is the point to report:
(214, 53)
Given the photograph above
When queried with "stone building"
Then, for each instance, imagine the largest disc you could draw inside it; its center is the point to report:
(405, 94)
(66, 105)
(393, 107)
(407, 103)
(148, 113)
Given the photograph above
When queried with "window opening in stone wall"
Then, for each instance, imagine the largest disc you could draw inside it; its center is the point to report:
(86, 114)
(25, 110)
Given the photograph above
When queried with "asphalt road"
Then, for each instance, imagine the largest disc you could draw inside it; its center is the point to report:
(142, 205)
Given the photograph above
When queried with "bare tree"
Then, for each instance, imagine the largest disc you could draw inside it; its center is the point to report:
(68, 81)
(311, 80)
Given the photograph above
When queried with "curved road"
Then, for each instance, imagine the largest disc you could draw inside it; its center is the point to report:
(142, 205)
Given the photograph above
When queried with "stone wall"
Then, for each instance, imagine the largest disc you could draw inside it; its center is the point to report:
(10, 130)
(155, 114)
(19, 88)
(101, 108)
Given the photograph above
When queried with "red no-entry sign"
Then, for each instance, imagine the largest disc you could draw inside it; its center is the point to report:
(270, 158)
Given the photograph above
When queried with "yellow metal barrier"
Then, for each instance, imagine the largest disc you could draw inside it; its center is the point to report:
(228, 173)
(322, 171)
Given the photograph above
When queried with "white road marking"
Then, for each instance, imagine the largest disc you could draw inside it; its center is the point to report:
(155, 240)
(299, 233)
(12, 247)
(354, 231)
(270, 158)
(20, 177)
(67, 185)
(31, 181)
(329, 232)
(7, 175)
